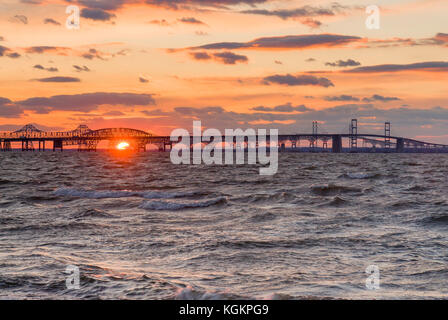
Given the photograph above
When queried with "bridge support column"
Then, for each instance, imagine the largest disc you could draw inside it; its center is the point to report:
(6, 146)
(336, 143)
(58, 144)
(400, 145)
(282, 146)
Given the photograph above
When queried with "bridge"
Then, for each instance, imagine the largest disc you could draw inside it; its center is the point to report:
(85, 139)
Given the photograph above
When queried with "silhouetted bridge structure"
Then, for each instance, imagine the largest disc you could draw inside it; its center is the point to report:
(85, 139)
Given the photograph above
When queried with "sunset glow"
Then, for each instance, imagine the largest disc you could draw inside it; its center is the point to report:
(157, 65)
(123, 146)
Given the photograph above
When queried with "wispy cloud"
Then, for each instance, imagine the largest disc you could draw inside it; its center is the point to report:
(58, 79)
(299, 80)
(438, 66)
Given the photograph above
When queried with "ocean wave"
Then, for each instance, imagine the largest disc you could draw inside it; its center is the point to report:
(171, 205)
(261, 198)
(3, 181)
(95, 194)
(92, 213)
(360, 175)
(337, 202)
(262, 217)
(439, 219)
(333, 189)
(416, 188)
(190, 293)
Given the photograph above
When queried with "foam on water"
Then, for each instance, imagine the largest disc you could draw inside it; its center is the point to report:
(104, 194)
(171, 205)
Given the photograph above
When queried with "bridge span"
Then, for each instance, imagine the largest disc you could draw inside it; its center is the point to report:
(85, 139)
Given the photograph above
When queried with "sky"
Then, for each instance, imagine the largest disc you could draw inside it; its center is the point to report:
(157, 65)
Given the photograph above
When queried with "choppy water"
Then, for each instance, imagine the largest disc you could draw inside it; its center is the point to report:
(139, 227)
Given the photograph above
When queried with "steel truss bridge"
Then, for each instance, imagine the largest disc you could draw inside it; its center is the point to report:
(85, 139)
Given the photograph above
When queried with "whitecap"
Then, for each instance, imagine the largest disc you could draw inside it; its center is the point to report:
(172, 205)
(104, 194)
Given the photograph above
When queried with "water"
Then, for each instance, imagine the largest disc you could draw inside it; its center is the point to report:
(139, 227)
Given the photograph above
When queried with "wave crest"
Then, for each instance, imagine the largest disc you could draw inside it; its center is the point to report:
(95, 194)
(171, 205)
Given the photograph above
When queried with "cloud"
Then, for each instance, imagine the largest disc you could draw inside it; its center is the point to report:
(163, 23)
(225, 57)
(302, 12)
(377, 97)
(420, 66)
(287, 108)
(19, 19)
(113, 5)
(341, 98)
(81, 68)
(13, 55)
(177, 4)
(59, 79)
(40, 67)
(8, 109)
(285, 42)
(6, 51)
(200, 55)
(45, 49)
(342, 63)
(440, 39)
(305, 14)
(143, 80)
(230, 58)
(201, 33)
(65, 51)
(97, 14)
(115, 113)
(300, 80)
(51, 21)
(92, 54)
(2, 38)
(3, 50)
(190, 20)
(85, 102)
(312, 23)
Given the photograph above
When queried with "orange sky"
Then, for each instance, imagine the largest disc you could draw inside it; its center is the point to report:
(231, 57)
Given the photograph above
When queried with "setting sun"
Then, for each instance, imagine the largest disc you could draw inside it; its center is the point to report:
(122, 146)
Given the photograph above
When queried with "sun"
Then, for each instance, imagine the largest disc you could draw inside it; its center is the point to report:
(123, 146)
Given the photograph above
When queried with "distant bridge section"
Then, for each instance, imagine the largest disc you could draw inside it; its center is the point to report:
(86, 139)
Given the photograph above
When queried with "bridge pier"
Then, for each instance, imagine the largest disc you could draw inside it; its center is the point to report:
(336, 143)
(400, 145)
(27, 145)
(58, 144)
(282, 147)
(41, 145)
(7, 145)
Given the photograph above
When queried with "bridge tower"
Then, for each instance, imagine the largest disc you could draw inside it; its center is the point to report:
(387, 132)
(354, 134)
(313, 140)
